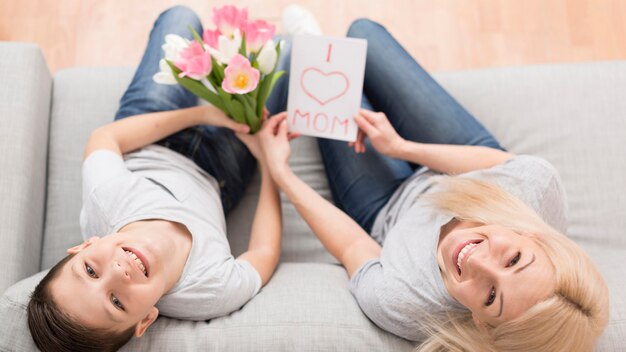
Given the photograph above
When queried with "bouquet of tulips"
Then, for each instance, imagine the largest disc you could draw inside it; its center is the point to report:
(231, 67)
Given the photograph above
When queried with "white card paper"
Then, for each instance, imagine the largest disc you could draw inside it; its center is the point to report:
(326, 85)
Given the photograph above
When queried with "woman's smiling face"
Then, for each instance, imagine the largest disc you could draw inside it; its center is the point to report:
(495, 272)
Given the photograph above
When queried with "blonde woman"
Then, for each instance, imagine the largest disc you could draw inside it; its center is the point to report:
(471, 261)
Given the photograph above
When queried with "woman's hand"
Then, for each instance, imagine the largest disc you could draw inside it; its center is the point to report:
(378, 129)
(210, 115)
(274, 139)
(270, 129)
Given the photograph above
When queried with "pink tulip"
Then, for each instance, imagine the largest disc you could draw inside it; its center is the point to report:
(229, 18)
(239, 76)
(194, 62)
(257, 34)
(210, 37)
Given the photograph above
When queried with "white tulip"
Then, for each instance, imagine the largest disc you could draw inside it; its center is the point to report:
(267, 57)
(228, 47)
(174, 44)
(165, 76)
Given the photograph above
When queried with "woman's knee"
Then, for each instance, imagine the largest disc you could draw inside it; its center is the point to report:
(363, 28)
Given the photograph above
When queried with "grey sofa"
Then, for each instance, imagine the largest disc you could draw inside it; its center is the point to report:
(572, 115)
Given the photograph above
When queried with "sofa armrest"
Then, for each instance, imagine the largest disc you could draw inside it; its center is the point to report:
(25, 96)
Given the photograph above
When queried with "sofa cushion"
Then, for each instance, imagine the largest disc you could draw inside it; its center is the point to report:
(25, 90)
(573, 116)
(82, 100)
(610, 261)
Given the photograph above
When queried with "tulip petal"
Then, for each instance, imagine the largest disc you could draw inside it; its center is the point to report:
(267, 57)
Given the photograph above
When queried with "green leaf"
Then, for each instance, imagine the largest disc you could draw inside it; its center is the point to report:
(196, 36)
(218, 70)
(197, 88)
(213, 81)
(255, 93)
(265, 90)
(255, 124)
(242, 48)
(238, 110)
(253, 57)
(278, 50)
(268, 84)
(233, 111)
(252, 120)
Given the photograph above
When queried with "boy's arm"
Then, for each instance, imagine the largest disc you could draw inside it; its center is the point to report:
(264, 247)
(125, 135)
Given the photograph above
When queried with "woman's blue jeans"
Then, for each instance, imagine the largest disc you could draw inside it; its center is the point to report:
(417, 107)
(361, 184)
(216, 150)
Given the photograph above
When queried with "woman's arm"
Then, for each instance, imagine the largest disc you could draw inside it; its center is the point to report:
(339, 234)
(448, 159)
(125, 135)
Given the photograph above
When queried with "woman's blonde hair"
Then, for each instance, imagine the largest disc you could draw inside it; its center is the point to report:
(569, 320)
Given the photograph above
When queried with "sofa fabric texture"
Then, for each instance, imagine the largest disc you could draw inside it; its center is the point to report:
(570, 114)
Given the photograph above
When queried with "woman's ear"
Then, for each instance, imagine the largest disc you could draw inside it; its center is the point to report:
(145, 323)
(83, 245)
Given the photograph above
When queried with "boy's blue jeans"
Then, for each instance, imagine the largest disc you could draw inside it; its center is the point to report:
(361, 184)
(216, 150)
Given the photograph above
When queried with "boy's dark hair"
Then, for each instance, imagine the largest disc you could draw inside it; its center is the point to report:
(54, 330)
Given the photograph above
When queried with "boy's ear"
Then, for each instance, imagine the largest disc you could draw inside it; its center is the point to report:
(83, 245)
(145, 323)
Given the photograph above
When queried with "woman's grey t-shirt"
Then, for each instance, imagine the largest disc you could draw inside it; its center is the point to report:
(403, 287)
(158, 183)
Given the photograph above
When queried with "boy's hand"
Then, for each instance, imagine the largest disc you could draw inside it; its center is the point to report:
(215, 117)
(252, 141)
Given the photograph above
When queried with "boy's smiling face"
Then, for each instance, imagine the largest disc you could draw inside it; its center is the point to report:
(113, 283)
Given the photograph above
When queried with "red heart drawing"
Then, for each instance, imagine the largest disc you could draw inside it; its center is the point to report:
(324, 87)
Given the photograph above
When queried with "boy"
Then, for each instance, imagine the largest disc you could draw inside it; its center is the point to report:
(161, 211)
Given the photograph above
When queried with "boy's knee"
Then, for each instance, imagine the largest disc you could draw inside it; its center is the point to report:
(180, 13)
(362, 27)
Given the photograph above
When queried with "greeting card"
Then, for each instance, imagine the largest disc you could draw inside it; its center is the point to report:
(326, 85)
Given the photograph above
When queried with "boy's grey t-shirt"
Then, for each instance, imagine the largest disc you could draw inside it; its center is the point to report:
(403, 287)
(158, 183)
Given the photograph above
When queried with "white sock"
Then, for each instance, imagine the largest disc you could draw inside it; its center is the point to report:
(298, 20)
